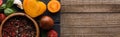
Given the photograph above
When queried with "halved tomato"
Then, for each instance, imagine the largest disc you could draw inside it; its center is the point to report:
(54, 6)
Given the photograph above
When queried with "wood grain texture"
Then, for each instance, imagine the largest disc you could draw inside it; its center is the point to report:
(90, 18)
(90, 24)
(92, 8)
(84, 2)
(90, 5)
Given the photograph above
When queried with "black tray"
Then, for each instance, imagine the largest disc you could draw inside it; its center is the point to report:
(55, 16)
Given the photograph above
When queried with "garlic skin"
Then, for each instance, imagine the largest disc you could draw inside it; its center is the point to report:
(18, 3)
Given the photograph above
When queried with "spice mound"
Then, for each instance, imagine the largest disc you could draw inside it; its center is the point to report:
(18, 26)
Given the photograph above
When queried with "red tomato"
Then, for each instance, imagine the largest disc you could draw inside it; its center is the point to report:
(46, 22)
(1, 1)
(2, 17)
(52, 33)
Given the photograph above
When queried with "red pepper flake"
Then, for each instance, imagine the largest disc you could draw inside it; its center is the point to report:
(18, 26)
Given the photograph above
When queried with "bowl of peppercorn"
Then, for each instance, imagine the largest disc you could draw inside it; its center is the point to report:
(19, 25)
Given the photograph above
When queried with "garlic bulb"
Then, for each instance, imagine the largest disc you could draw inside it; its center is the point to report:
(18, 3)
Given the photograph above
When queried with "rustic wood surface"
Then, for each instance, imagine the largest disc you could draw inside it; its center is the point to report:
(90, 18)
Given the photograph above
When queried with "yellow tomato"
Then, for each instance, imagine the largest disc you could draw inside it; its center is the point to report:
(34, 8)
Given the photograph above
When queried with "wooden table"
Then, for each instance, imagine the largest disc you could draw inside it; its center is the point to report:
(90, 18)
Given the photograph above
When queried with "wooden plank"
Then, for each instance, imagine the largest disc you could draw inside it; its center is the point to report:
(83, 2)
(90, 32)
(90, 5)
(90, 19)
(85, 36)
(90, 24)
(91, 8)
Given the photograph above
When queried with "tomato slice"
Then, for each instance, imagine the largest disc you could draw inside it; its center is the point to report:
(54, 6)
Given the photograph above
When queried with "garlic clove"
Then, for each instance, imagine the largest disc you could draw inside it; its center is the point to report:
(18, 3)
